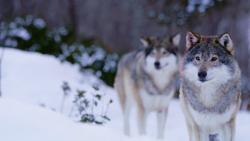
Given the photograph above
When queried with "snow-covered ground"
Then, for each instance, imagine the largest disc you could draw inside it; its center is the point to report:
(25, 122)
(32, 97)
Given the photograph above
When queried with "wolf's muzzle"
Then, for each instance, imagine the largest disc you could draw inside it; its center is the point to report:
(157, 65)
(202, 76)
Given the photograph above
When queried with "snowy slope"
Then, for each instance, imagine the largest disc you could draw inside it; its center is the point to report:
(37, 79)
(31, 79)
(24, 122)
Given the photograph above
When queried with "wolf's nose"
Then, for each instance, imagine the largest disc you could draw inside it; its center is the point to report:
(202, 75)
(157, 64)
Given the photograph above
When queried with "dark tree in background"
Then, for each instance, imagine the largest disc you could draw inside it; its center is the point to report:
(118, 24)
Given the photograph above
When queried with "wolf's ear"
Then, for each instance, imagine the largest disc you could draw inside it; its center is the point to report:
(144, 42)
(191, 39)
(226, 41)
(149, 41)
(176, 39)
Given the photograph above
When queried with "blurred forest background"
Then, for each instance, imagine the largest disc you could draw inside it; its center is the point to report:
(104, 29)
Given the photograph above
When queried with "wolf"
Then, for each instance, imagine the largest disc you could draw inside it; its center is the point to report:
(146, 79)
(210, 92)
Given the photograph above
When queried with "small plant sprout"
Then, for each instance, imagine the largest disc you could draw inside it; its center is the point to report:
(66, 91)
(91, 106)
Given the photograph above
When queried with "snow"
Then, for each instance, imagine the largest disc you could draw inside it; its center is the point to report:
(39, 23)
(37, 79)
(32, 96)
(24, 122)
(21, 33)
(201, 4)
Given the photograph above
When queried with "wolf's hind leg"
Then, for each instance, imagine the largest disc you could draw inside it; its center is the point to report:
(161, 119)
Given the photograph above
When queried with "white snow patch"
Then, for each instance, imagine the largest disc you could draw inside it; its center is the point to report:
(24, 122)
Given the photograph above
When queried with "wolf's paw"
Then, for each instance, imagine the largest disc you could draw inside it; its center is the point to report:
(213, 137)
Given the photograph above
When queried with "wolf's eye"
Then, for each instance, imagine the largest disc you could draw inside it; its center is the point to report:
(197, 58)
(213, 59)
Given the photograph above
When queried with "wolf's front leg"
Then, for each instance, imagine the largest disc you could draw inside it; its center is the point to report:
(161, 119)
(190, 131)
(191, 125)
(196, 133)
(232, 131)
(126, 115)
(204, 135)
(141, 119)
(228, 131)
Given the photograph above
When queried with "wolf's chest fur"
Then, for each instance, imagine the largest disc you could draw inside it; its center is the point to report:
(212, 120)
(161, 78)
(160, 81)
(208, 94)
(155, 102)
(211, 107)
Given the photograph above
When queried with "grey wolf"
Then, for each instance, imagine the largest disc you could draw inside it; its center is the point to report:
(210, 87)
(146, 79)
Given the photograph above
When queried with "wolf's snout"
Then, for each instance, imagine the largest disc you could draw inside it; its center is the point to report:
(202, 76)
(157, 65)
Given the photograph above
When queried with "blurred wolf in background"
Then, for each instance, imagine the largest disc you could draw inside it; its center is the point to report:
(146, 78)
(210, 88)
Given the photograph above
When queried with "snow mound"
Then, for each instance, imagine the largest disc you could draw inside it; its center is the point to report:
(24, 122)
(37, 79)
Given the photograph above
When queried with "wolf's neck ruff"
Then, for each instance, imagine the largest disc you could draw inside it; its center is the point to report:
(227, 95)
(151, 87)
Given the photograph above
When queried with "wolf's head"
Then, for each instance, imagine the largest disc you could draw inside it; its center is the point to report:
(160, 53)
(208, 58)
